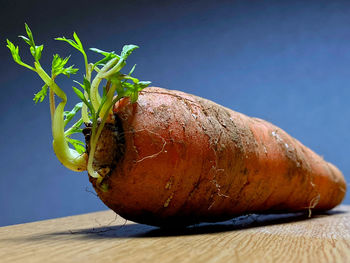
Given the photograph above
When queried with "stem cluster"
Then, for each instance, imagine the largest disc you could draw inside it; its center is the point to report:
(94, 106)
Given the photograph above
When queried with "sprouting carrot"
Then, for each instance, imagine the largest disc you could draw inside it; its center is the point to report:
(165, 157)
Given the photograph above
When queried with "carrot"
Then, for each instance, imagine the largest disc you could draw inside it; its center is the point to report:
(165, 157)
(181, 159)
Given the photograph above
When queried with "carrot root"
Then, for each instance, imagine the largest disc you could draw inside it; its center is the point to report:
(183, 159)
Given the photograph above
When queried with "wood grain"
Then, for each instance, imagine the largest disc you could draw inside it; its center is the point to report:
(105, 237)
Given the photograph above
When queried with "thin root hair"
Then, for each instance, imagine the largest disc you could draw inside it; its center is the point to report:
(313, 203)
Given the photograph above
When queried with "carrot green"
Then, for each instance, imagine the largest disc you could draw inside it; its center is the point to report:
(94, 106)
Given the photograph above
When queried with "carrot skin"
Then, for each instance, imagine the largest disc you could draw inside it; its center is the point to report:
(179, 159)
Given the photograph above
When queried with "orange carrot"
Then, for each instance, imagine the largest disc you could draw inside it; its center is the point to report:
(181, 159)
(165, 157)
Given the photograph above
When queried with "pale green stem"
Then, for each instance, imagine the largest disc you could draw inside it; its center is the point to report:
(90, 169)
(48, 81)
(113, 70)
(94, 138)
(86, 64)
(135, 80)
(52, 104)
(68, 157)
(84, 110)
(95, 96)
(113, 66)
(105, 108)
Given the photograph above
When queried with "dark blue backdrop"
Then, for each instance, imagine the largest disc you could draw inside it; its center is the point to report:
(284, 61)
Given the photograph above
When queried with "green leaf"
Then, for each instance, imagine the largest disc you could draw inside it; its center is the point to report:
(26, 40)
(127, 85)
(132, 89)
(78, 145)
(143, 84)
(15, 55)
(132, 70)
(87, 85)
(69, 41)
(38, 51)
(79, 93)
(76, 44)
(34, 50)
(129, 91)
(77, 40)
(127, 50)
(40, 96)
(75, 128)
(81, 85)
(104, 53)
(82, 97)
(30, 35)
(108, 56)
(128, 77)
(70, 70)
(68, 115)
(58, 66)
(29, 40)
(103, 61)
(14, 51)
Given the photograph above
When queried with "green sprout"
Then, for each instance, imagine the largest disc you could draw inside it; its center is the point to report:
(94, 107)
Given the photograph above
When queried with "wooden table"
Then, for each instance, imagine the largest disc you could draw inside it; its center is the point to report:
(105, 237)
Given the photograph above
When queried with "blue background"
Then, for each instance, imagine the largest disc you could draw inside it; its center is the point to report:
(284, 61)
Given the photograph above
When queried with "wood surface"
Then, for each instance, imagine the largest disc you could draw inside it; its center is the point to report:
(105, 237)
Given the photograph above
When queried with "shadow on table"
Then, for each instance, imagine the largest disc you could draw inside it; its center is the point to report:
(144, 231)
